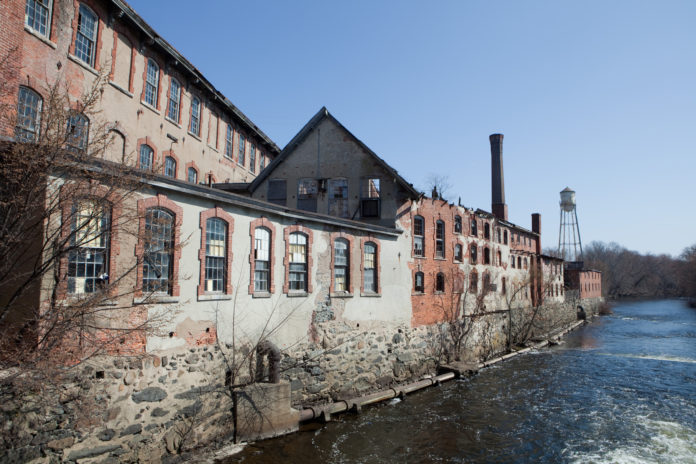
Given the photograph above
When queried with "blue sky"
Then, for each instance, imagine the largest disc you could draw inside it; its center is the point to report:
(599, 96)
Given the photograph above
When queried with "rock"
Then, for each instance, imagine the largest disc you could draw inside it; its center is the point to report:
(316, 371)
(129, 378)
(316, 388)
(132, 430)
(156, 361)
(91, 452)
(61, 443)
(159, 412)
(172, 441)
(405, 357)
(397, 338)
(112, 413)
(106, 434)
(192, 409)
(149, 395)
(192, 359)
(296, 384)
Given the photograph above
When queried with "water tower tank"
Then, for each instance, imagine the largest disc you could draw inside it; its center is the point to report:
(567, 199)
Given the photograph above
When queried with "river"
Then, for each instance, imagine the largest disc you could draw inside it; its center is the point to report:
(621, 389)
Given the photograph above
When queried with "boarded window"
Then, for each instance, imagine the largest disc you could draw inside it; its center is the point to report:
(307, 195)
(338, 197)
(370, 198)
(277, 191)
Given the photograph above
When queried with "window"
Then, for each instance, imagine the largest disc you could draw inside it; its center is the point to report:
(192, 175)
(457, 224)
(77, 132)
(497, 234)
(525, 263)
(458, 252)
(487, 231)
(499, 258)
(486, 282)
(262, 161)
(369, 198)
(174, 100)
(486, 256)
(28, 112)
(474, 253)
(298, 262)
(146, 157)
(503, 287)
(262, 253)
(341, 266)
(505, 237)
(277, 191)
(252, 158)
(512, 261)
(86, 37)
(229, 138)
(215, 255)
(170, 167)
(519, 262)
(418, 239)
(152, 83)
(473, 281)
(241, 152)
(439, 239)
(195, 123)
(158, 257)
(88, 260)
(474, 228)
(440, 282)
(38, 16)
(419, 282)
(370, 267)
(338, 197)
(307, 195)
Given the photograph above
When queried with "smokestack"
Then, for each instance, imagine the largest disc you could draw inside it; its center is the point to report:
(499, 208)
(536, 227)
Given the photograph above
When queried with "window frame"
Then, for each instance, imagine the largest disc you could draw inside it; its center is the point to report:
(367, 197)
(345, 267)
(276, 199)
(151, 166)
(307, 194)
(473, 253)
(418, 239)
(297, 268)
(440, 282)
(440, 239)
(229, 141)
(218, 214)
(152, 83)
(262, 223)
(48, 8)
(458, 252)
(474, 227)
(419, 288)
(375, 288)
(252, 158)
(168, 160)
(75, 249)
(174, 104)
(92, 43)
(334, 186)
(457, 224)
(29, 107)
(241, 149)
(188, 175)
(195, 118)
(77, 143)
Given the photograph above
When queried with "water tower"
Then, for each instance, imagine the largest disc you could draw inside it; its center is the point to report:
(569, 243)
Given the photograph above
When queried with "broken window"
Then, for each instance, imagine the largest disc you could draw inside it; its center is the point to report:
(439, 239)
(474, 228)
(215, 255)
(457, 224)
(486, 256)
(505, 237)
(474, 253)
(262, 258)
(473, 281)
(77, 132)
(341, 265)
(88, 260)
(307, 195)
(86, 37)
(458, 252)
(440, 282)
(28, 112)
(297, 278)
(146, 157)
(170, 167)
(487, 231)
(338, 197)
(418, 239)
(370, 267)
(277, 191)
(370, 198)
(419, 284)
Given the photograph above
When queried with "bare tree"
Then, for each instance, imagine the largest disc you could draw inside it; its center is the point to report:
(437, 183)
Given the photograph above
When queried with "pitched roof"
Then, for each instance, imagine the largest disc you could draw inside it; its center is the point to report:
(322, 114)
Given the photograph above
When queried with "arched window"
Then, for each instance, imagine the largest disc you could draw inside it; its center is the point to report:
(86, 36)
(458, 224)
(370, 267)
(298, 262)
(519, 262)
(215, 255)
(170, 167)
(497, 234)
(474, 228)
(77, 132)
(419, 282)
(88, 260)
(473, 281)
(152, 83)
(487, 231)
(505, 237)
(440, 282)
(486, 256)
(192, 175)
(503, 288)
(146, 157)
(28, 114)
(474, 253)
(439, 239)
(174, 100)
(486, 282)
(525, 263)
(499, 259)
(418, 236)
(512, 261)
(195, 123)
(341, 265)
(262, 254)
(159, 248)
(458, 252)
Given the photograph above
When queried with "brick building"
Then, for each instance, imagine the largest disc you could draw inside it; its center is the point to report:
(258, 237)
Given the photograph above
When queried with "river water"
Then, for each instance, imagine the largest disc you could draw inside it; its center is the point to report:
(621, 389)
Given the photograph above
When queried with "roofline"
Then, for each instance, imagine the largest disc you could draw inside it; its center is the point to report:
(302, 134)
(217, 96)
(507, 223)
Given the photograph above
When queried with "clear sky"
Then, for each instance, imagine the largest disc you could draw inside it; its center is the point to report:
(599, 96)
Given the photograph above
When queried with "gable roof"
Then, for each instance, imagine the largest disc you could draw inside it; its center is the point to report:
(322, 114)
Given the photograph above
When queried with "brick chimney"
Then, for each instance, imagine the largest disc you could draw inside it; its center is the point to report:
(498, 208)
(536, 227)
